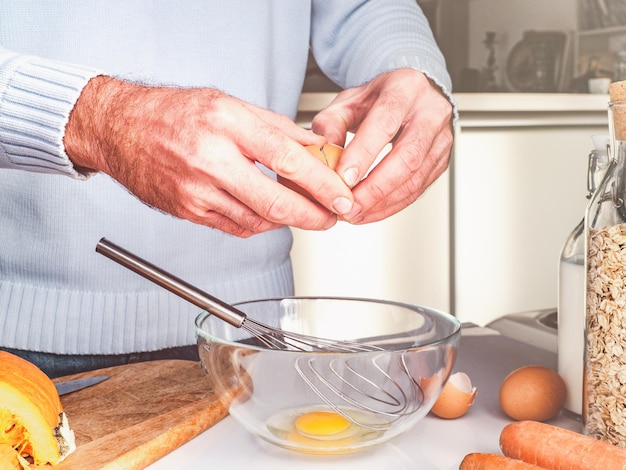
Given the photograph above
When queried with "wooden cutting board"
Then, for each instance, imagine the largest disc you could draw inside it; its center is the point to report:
(141, 413)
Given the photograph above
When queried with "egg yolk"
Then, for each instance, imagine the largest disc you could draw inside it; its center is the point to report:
(321, 423)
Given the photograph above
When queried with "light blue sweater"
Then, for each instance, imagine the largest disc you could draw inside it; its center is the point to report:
(57, 294)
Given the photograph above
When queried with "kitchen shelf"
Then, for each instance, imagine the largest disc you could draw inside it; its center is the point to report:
(613, 30)
(601, 36)
(601, 14)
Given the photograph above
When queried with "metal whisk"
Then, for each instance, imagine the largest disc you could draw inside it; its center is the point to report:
(273, 338)
(387, 392)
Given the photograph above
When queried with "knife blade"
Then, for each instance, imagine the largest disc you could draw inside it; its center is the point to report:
(69, 386)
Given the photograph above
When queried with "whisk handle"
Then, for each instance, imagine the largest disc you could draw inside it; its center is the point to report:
(170, 282)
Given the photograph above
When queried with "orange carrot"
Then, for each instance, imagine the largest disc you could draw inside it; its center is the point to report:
(480, 461)
(556, 448)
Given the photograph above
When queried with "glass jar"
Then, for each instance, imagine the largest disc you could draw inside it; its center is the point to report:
(571, 300)
(604, 392)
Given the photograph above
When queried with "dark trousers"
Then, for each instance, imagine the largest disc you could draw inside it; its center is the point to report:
(58, 365)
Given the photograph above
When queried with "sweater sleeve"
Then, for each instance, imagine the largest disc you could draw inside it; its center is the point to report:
(354, 44)
(36, 98)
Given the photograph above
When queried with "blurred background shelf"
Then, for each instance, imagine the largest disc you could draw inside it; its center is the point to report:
(595, 32)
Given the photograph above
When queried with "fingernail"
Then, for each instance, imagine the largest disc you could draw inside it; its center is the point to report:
(342, 205)
(350, 176)
(330, 223)
(355, 215)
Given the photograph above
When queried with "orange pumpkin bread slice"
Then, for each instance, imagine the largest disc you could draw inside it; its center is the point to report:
(32, 420)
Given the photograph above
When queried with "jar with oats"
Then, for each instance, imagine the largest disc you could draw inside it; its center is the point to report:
(572, 282)
(604, 389)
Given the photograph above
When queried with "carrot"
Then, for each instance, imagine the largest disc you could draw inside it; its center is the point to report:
(480, 461)
(556, 448)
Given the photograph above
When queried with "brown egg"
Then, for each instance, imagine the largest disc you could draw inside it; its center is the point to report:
(532, 393)
(456, 397)
(330, 158)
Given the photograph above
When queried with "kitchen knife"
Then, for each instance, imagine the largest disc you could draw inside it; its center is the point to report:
(69, 386)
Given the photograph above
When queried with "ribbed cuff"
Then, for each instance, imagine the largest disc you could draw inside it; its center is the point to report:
(36, 98)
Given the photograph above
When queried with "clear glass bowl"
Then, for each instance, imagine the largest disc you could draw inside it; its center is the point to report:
(323, 402)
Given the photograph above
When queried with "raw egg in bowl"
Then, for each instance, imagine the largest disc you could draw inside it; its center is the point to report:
(328, 402)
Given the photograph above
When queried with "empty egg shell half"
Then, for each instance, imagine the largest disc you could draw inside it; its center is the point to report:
(456, 397)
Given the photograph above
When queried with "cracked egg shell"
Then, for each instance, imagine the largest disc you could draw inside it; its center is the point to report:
(456, 397)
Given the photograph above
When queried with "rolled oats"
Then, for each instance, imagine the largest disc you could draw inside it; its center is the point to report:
(605, 368)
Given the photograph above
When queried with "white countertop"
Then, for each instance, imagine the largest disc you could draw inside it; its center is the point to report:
(486, 356)
(531, 102)
(511, 102)
(503, 109)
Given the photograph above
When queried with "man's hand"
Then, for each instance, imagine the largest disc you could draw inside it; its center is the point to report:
(193, 153)
(402, 107)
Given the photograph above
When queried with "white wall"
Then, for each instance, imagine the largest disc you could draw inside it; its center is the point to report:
(404, 258)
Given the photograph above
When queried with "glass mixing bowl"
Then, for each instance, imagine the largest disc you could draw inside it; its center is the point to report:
(327, 402)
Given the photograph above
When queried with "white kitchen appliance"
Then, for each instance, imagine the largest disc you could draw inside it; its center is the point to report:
(537, 328)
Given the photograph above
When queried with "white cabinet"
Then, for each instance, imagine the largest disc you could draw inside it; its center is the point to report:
(519, 185)
(484, 241)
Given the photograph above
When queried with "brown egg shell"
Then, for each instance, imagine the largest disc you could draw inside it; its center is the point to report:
(330, 158)
(456, 398)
